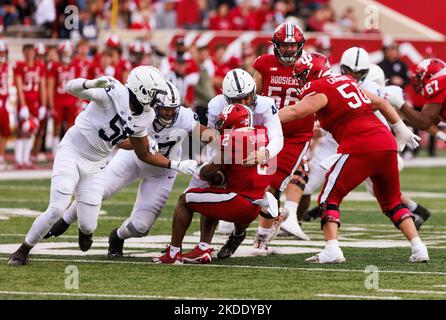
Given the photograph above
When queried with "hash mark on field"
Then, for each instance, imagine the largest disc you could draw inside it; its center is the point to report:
(100, 295)
(348, 296)
(238, 266)
(413, 291)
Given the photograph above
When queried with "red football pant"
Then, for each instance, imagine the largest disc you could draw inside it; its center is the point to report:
(219, 204)
(5, 131)
(288, 160)
(65, 112)
(351, 170)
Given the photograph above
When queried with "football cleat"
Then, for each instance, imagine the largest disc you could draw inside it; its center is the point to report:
(261, 244)
(167, 259)
(328, 255)
(291, 226)
(419, 254)
(115, 245)
(278, 221)
(421, 214)
(85, 241)
(198, 256)
(311, 215)
(57, 229)
(231, 245)
(20, 257)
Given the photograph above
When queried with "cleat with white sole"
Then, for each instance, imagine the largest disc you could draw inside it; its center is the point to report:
(332, 255)
(260, 246)
(291, 226)
(419, 254)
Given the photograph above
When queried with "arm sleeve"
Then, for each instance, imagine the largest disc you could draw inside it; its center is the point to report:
(275, 134)
(75, 87)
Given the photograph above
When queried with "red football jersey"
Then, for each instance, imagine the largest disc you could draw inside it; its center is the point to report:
(62, 73)
(278, 83)
(348, 116)
(31, 77)
(4, 81)
(236, 145)
(435, 92)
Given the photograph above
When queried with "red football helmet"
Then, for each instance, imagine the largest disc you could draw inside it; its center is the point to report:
(426, 70)
(311, 66)
(235, 116)
(113, 41)
(40, 49)
(136, 47)
(66, 50)
(288, 41)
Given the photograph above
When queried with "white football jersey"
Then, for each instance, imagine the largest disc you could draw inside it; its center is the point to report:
(106, 121)
(265, 114)
(170, 139)
(375, 89)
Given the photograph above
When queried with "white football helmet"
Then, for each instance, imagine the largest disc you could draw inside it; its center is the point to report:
(148, 85)
(376, 74)
(355, 61)
(239, 84)
(172, 101)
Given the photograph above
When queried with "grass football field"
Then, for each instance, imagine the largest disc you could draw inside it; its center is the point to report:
(377, 255)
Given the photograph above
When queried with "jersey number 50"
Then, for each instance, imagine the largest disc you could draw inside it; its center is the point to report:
(357, 96)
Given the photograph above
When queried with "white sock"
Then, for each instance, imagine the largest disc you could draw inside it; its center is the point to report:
(203, 246)
(263, 231)
(28, 145)
(416, 242)
(291, 206)
(19, 151)
(412, 205)
(173, 251)
(332, 243)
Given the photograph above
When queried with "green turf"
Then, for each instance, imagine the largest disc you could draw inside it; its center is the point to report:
(272, 277)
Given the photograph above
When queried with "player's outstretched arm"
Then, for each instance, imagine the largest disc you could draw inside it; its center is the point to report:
(308, 105)
(92, 90)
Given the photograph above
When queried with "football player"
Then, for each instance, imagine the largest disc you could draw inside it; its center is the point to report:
(116, 112)
(274, 78)
(366, 149)
(430, 80)
(237, 202)
(171, 125)
(64, 106)
(240, 87)
(5, 131)
(355, 62)
(29, 78)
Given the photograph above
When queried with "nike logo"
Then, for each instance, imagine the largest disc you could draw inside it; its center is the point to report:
(273, 69)
(170, 177)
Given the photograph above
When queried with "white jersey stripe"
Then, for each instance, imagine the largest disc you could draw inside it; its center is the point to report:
(333, 177)
(209, 197)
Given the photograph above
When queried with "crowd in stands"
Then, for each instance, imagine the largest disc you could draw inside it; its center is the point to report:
(90, 16)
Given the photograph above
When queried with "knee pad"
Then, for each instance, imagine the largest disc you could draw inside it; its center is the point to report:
(87, 223)
(301, 176)
(132, 228)
(64, 184)
(329, 212)
(398, 214)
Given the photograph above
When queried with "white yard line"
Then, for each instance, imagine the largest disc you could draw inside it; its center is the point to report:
(348, 296)
(237, 266)
(413, 291)
(101, 295)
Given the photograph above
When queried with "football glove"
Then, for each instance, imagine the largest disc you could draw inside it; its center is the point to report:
(395, 96)
(441, 135)
(153, 146)
(102, 82)
(185, 167)
(404, 136)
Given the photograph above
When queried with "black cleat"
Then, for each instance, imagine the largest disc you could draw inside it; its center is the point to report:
(421, 214)
(20, 257)
(57, 229)
(115, 245)
(231, 245)
(85, 241)
(311, 215)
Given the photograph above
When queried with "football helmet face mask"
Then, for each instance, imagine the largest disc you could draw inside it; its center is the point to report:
(288, 42)
(148, 85)
(239, 87)
(311, 66)
(426, 70)
(235, 116)
(166, 114)
(355, 62)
